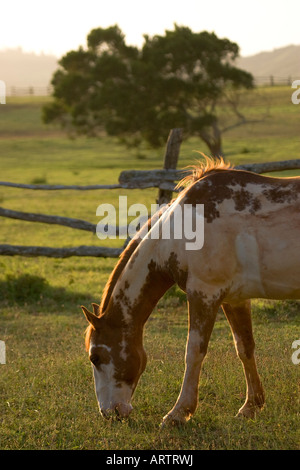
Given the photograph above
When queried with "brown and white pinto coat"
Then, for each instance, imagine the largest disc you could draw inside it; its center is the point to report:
(251, 250)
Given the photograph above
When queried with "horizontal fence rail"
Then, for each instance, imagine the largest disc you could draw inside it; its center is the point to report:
(163, 179)
(49, 219)
(55, 187)
(78, 224)
(31, 251)
(269, 167)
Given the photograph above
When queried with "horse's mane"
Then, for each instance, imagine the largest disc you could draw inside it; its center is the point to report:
(201, 169)
(118, 269)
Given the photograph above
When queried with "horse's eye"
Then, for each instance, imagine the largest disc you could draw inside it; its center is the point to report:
(94, 358)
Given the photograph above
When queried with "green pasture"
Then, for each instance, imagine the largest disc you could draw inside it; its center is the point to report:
(47, 400)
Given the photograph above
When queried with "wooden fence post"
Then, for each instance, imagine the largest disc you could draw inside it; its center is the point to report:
(170, 161)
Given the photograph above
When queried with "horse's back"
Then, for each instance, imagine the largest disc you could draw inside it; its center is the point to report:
(251, 233)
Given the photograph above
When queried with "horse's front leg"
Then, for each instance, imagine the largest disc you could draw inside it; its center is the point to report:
(202, 315)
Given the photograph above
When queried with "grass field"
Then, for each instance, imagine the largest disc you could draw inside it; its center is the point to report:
(47, 399)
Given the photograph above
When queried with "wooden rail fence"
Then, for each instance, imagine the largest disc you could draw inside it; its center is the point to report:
(164, 179)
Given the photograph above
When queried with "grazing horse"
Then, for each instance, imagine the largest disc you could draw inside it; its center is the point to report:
(251, 250)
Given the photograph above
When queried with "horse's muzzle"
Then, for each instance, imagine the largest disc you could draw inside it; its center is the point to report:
(119, 411)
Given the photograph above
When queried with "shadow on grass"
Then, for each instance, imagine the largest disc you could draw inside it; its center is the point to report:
(27, 289)
(275, 310)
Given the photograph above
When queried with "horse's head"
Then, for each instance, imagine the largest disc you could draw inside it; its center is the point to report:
(117, 362)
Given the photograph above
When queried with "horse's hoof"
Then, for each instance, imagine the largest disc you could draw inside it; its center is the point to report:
(172, 420)
(247, 412)
(252, 408)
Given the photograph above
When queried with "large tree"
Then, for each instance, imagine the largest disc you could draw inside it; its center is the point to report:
(181, 79)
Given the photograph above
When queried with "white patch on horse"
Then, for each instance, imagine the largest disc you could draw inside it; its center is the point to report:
(195, 340)
(126, 316)
(248, 256)
(113, 395)
(123, 345)
(194, 359)
(104, 384)
(94, 345)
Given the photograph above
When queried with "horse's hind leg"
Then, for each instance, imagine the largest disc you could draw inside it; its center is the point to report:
(239, 318)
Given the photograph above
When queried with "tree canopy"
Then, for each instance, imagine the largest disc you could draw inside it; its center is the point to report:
(179, 79)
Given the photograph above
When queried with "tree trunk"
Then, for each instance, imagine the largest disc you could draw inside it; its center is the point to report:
(213, 140)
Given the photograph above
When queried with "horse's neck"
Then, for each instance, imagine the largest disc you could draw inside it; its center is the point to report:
(139, 288)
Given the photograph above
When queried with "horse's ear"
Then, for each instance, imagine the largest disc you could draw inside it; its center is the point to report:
(96, 309)
(91, 317)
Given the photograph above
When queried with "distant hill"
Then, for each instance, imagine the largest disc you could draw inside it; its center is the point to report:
(23, 69)
(281, 63)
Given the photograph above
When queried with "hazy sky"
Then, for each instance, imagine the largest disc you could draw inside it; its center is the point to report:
(57, 26)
